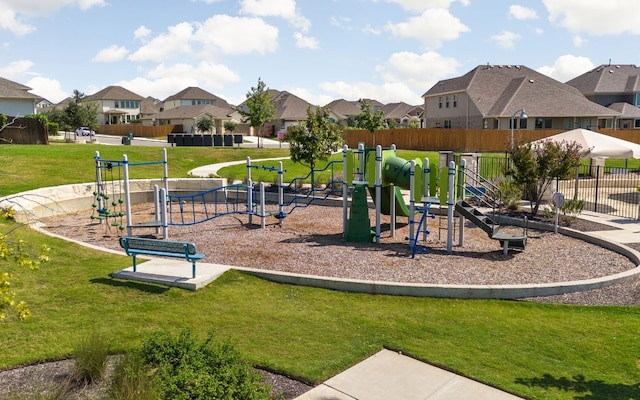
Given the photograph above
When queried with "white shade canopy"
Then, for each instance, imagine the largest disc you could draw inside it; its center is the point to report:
(597, 144)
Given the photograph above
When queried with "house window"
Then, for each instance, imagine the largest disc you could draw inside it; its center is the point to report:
(523, 123)
(636, 123)
(485, 123)
(447, 124)
(440, 102)
(539, 123)
(455, 100)
(548, 123)
(578, 123)
(446, 102)
(637, 100)
(566, 124)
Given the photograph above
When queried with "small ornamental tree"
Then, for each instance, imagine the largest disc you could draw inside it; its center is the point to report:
(534, 168)
(259, 108)
(370, 119)
(230, 126)
(314, 139)
(205, 124)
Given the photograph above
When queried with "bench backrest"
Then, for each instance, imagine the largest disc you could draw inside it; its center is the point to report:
(167, 246)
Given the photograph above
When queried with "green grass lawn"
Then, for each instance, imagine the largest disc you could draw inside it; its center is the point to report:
(538, 351)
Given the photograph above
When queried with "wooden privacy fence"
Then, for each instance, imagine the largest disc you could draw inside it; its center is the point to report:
(460, 140)
(139, 130)
(24, 131)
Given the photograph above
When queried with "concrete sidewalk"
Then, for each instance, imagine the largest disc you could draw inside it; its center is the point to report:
(390, 375)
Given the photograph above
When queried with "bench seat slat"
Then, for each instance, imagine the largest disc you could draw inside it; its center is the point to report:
(135, 246)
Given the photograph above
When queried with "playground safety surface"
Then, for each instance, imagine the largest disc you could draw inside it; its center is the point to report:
(310, 242)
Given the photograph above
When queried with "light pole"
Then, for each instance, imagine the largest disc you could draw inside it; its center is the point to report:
(523, 115)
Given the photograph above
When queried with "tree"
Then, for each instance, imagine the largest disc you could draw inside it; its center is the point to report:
(259, 108)
(314, 139)
(229, 126)
(534, 168)
(370, 119)
(81, 114)
(205, 124)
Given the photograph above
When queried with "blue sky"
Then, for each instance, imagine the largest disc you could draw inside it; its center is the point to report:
(320, 50)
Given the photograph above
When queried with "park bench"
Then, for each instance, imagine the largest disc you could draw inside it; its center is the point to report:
(135, 246)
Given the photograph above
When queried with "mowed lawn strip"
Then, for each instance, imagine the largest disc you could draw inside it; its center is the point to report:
(538, 351)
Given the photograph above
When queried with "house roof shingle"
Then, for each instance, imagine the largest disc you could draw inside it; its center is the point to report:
(196, 93)
(13, 90)
(607, 79)
(114, 93)
(499, 91)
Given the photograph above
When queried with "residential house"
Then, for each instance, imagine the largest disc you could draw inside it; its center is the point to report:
(188, 116)
(193, 96)
(400, 114)
(346, 110)
(616, 87)
(289, 110)
(116, 105)
(492, 96)
(149, 107)
(15, 99)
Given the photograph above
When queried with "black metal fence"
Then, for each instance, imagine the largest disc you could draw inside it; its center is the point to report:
(605, 189)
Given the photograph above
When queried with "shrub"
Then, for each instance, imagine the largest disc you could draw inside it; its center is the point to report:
(52, 128)
(132, 381)
(187, 368)
(510, 194)
(91, 358)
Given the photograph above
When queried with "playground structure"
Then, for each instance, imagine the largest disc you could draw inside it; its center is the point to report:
(380, 173)
(384, 175)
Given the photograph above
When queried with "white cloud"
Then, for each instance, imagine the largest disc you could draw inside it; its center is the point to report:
(48, 88)
(371, 30)
(596, 17)
(423, 5)
(420, 71)
(522, 13)
(285, 9)
(238, 35)
(578, 41)
(567, 67)
(163, 80)
(142, 33)
(406, 77)
(9, 22)
(112, 53)
(167, 45)
(312, 97)
(506, 39)
(16, 69)
(20, 70)
(13, 12)
(306, 42)
(385, 93)
(432, 28)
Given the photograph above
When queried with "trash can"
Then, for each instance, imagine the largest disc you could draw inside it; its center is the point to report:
(126, 140)
(228, 140)
(237, 139)
(217, 140)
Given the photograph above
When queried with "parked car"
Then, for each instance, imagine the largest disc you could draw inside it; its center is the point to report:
(84, 131)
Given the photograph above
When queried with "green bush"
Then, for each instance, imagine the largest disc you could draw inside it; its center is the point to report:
(53, 128)
(91, 358)
(187, 368)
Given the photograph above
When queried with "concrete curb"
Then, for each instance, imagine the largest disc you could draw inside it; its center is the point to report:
(80, 193)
